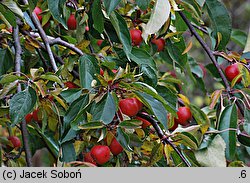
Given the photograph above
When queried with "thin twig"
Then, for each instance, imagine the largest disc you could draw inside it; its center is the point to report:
(18, 52)
(212, 58)
(163, 137)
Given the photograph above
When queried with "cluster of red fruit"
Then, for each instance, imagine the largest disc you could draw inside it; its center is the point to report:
(100, 154)
(136, 37)
(33, 115)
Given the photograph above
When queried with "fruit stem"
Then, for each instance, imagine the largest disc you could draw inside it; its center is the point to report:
(212, 58)
(163, 137)
(24, 130)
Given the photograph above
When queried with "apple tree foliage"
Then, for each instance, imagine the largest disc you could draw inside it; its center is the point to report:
(74, 119)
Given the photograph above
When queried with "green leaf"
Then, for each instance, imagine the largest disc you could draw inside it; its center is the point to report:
(213, 155)
(200, 117)
(239, 37)
(7, 15)
(143, 4)
(244, 139)
(122, 32)
(186, 139)
(145, 88)
(104, 110)
(221, 21)
(176, 54)
(130, 124)
(68, 152)
(110, 5)
(55, 7)
(74, 110)
(91, 125)
(21, 104)
(71, 95)
(123, 139)
(12, 5)
(155, 106)
(8, 78)
(156, 154)
(87, 70)
(98, 16)
(169, 97)
(228, 119)
(51, 77)
(49, 140)
(6, 60)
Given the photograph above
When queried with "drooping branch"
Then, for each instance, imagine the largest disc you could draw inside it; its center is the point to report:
(163, 137)
(212, 58)
(18, 52)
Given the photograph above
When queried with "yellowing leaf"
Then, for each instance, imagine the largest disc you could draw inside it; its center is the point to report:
(159, 16)
(190, 44)
(215, 97)
(184, 99)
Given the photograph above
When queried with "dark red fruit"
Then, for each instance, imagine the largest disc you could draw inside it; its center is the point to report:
(89, 158)
(136, 36)
(100, 154)
(71, 23)
(160, 43)
(130, 106)
(51, 98)
(184, 115)
(37, 11)
(35, 116)
(174, 126)
(99, 42)
(15, 141)
(101, 72)
(145, 123)
(70, 85)
(28, 117)
(232, 71)
(115, 147)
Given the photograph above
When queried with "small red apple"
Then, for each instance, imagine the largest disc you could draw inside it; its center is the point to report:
(184, 115)
(15, 141)
(145, 123)
(115, 147)
(130, 106)
(160, 43)
(136, 37)
(100, 154)
(70, 85)
(37, 11)
(71, 23)
(89, 158)
(232, 71)
(28, 117)
(99, 42)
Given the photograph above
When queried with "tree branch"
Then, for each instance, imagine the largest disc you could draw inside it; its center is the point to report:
(18, 52)
(163, 137)
(43, 36)
(212, 58)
